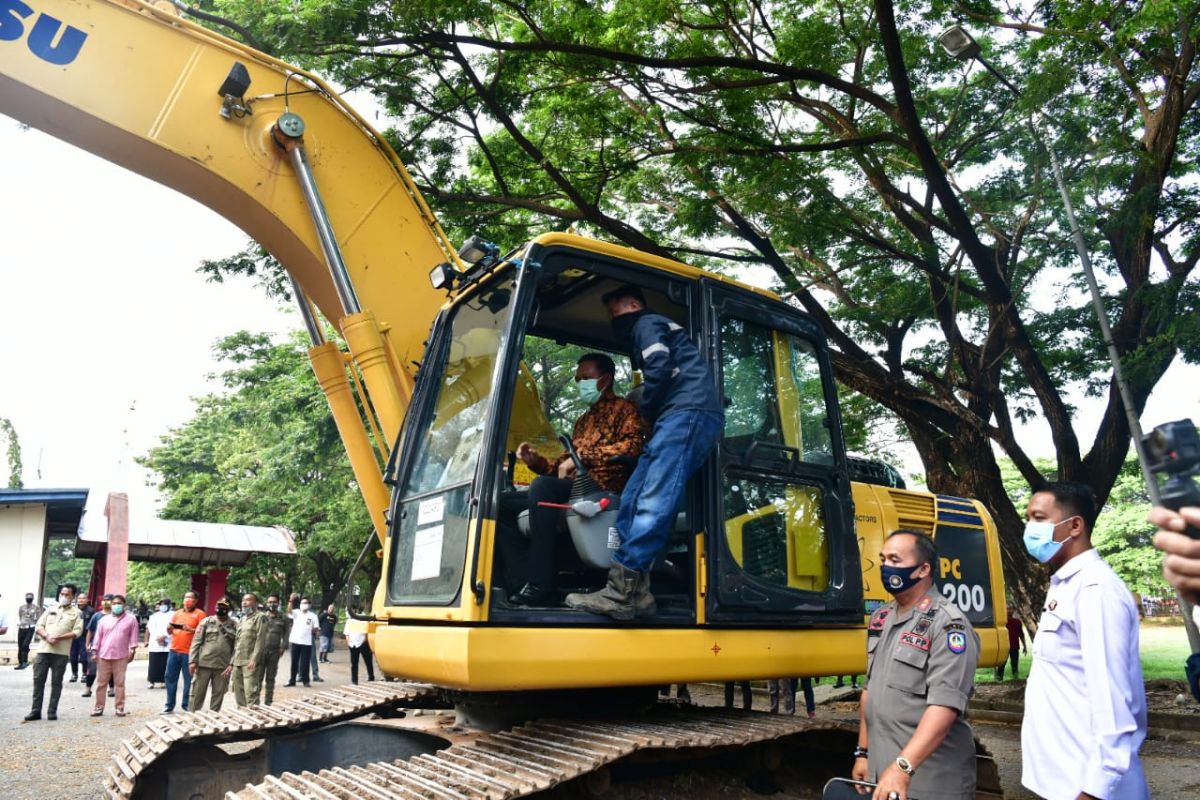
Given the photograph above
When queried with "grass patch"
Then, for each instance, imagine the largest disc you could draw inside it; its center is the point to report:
(1164, 649)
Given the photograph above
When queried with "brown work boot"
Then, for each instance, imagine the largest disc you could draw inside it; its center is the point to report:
(626, 595)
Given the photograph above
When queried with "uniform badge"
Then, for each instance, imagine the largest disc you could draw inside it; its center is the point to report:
(925, 603)
(878, 619)
(922, 626)
(956, 641)
(913, 640)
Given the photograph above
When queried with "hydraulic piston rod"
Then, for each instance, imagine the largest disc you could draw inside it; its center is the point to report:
(289, 134)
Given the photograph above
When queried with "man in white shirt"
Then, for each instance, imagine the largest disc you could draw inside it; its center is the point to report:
(304, 627)
(1085, 702)
(158, 644)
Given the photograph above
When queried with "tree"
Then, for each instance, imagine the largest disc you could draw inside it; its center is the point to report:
(894, 194)
(12, 447)
(266, 452)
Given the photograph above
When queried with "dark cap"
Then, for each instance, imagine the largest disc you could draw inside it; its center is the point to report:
(224, 601)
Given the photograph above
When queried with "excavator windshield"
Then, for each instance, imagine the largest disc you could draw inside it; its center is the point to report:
(447, 434)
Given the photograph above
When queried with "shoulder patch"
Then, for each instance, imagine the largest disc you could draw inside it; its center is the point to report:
(957, 642)
(954, 625)
(879, 618)
(915, 640)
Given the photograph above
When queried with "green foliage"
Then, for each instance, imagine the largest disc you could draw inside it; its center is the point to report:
(12, 446)
(62, 567)
(266, 452)
(898, 195)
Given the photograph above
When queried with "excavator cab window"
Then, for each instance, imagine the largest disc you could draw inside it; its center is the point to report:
(571, 320)
(432, 509)
(784, 552)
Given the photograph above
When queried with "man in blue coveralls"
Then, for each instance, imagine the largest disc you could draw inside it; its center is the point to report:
(681, 404)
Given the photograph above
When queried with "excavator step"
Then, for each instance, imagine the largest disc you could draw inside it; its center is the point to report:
(535, 757)
(317, 709)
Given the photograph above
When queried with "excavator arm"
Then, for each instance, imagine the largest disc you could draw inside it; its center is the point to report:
(179, 104)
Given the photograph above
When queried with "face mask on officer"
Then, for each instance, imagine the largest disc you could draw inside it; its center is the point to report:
(164, 607)
(247, 607)
(1039, 538)
(28, 598)
(304, 606)
(272, 607)
(899, 579)
(65, 598)
(622, 326)
(222, 611)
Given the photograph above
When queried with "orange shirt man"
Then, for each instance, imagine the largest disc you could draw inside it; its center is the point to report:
(183, 628)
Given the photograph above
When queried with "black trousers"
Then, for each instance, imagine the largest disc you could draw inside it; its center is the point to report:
(363, 652)
(24, 639)
(747, 694)
(1014, 656)
(531, 560)
(301, 661)
(55, 666)
(79, 656)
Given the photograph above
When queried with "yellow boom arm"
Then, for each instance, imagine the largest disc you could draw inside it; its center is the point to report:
(138, 86)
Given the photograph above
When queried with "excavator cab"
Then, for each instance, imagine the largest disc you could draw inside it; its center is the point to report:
(764, 538)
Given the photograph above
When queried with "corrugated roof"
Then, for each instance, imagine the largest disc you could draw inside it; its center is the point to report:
(181, 542)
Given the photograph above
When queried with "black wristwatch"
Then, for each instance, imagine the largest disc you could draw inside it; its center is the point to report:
(860, 752)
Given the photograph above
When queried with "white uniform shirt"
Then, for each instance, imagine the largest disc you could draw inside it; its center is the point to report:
(157, 626)
(1085, 702)
(302, 624)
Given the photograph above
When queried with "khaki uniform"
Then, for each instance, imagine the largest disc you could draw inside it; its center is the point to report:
(251, 637)
(211, 654)
(926, 656)
(276, 627)
(51, 660)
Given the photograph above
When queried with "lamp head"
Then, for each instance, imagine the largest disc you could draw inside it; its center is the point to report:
(233, 92)
(958, 43)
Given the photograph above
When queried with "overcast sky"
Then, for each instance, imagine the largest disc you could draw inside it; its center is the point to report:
(108, 329)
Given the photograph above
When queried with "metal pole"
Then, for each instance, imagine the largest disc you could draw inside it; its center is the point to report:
(311, 324)
(288, 134)
(1135, 426)
(1131, 417)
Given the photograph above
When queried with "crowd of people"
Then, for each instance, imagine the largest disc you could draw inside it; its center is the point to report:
(210, 655)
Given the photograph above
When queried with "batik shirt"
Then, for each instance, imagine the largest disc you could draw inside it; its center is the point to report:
(611, 427)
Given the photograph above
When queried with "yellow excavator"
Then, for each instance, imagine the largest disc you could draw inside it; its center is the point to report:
(771, 568)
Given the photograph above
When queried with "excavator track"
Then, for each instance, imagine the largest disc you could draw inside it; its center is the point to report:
(168, 733)
(534, 757)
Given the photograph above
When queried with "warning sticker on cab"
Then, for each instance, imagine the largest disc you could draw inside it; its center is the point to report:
(431, 511)
(427, 554)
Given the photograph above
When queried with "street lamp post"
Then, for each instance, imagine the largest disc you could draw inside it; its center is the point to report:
(958, 43)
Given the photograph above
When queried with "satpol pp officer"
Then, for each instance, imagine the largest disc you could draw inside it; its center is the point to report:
(921, 659)
(210, 660)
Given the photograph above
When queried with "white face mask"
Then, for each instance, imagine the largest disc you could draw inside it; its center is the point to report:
(304, 606)
(164, 607)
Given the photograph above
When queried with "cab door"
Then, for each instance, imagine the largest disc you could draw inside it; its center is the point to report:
(781, 549)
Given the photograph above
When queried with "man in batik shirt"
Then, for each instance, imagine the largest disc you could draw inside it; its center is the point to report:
(611, 429)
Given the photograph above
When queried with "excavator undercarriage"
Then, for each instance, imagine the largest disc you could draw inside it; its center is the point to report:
(377, 741)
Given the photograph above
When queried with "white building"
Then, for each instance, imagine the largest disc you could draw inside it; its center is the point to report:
(28, 518)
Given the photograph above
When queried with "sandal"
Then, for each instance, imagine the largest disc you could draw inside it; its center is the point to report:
(97, 712)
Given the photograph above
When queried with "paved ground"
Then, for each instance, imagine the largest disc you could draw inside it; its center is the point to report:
(67, 758)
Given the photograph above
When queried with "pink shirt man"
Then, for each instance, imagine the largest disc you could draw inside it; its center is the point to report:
(116, 636)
